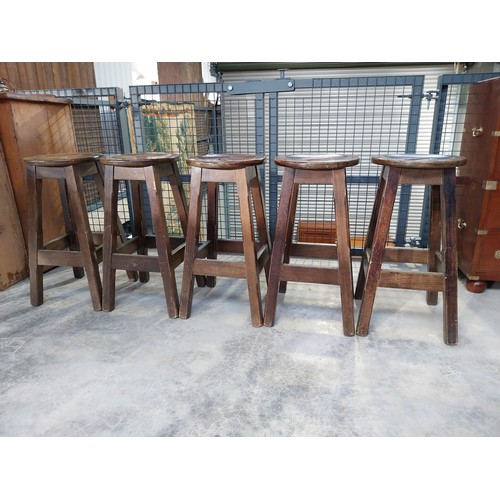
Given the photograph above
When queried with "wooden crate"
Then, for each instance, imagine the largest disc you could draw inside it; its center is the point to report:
(320, 231)
(317, 231)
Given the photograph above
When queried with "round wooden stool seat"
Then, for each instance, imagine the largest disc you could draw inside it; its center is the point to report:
(303, 169)
(61, 160)
(75, 245)
(139, 159)
(438, 172)
(316, 161)
(419, 161)
(226, 161)
(240, 170)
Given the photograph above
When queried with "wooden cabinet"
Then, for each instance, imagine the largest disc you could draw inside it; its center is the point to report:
(31, 125)
(478, 187)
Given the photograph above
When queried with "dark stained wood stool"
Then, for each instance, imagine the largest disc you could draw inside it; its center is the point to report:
(143, 169)
(76, 248)
(210, 170)
(438, 171)
(326, 169)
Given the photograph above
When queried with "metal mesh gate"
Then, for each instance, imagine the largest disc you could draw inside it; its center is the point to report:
(351, 115)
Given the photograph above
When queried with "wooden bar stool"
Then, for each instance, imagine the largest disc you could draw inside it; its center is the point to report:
(132, 255)
(438, 171)
(241, 169)
(326, 169)
(76, 248)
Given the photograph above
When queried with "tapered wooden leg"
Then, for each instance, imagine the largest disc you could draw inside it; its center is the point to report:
(110, 237)
(212, 226)
(449, 235)
(99, 183)
(434, 239)
(360, 284)
(35, 236)
(277, 253)
(77, 201)
(344, 251)
(289, 231)
(260, 216)
(167, 270)
(252, 273)
(193, 230)
(69, 224)
(377, 251)
(139, 227)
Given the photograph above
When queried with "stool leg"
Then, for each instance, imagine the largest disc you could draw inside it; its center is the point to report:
(35, 236)
(449, 232)
(344, 250)
(99, 182)
(167, 270)
(390, 189)
(110, 237)
(260, 217)
(289, 231)
(69, 218)
(434, 238)
(76, 198)
(287, 187)
(139, 223)
(212, 225)
(360, 285)
(193, 230)
(252, 273)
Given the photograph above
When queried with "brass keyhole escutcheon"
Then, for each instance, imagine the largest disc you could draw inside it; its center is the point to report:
(477, 131)
(461, 224)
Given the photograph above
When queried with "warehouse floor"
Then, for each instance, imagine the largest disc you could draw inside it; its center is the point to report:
(66, 370)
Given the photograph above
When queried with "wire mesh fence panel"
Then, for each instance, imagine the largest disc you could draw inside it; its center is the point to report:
(98, 116)
(359, 116)
(180, 119)
(356, 115)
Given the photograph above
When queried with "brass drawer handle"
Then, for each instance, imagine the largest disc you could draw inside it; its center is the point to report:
(461, 224)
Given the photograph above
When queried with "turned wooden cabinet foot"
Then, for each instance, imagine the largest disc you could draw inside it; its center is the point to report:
(476, 286)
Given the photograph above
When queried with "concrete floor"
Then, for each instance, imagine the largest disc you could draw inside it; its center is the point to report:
(66, 370)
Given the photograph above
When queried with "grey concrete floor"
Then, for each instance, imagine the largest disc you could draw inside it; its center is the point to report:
(66, 370)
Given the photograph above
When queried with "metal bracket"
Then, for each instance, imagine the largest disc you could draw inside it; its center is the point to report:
(430, 95)
(260, 87)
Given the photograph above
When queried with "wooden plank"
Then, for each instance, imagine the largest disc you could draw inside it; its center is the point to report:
(14, 261)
